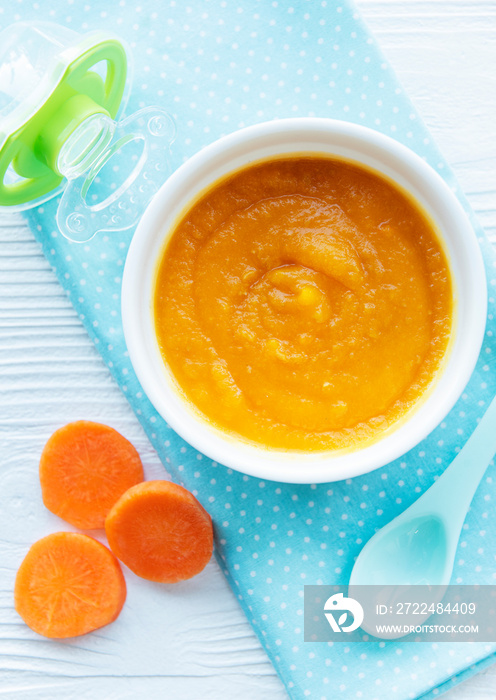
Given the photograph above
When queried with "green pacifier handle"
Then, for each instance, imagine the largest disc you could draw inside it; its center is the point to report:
(33, 148)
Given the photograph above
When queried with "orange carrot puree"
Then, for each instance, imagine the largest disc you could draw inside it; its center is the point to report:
(303, 303)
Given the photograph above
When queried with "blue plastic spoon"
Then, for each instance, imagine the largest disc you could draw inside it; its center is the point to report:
(419, 546)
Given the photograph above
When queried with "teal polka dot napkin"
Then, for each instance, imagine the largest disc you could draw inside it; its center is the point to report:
(218, 65)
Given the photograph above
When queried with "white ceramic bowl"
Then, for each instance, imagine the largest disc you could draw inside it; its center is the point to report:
(318, 136)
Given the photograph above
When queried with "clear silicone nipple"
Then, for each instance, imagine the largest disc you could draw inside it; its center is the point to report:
(113, 171)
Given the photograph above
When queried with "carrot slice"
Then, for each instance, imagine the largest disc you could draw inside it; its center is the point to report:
(160, 531)
(84, 468)
(69, 584)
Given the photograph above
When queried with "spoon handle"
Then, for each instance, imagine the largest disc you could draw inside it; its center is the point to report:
(452, 493)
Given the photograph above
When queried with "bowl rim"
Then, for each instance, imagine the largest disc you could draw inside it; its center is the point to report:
(222, 155)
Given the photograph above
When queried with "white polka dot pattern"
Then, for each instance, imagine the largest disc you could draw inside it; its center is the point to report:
(218, 66)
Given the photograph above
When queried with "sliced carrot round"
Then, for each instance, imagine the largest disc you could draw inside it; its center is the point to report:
(84, 468)
(160, 531)
(69, 584)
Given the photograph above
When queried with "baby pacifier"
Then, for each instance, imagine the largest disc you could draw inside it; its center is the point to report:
(62, 97)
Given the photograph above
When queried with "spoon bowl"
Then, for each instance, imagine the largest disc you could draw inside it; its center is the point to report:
(410, 552)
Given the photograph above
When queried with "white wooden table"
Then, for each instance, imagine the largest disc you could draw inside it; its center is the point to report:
(444, 53)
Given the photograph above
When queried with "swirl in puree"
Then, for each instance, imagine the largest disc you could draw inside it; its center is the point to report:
(303, 303)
